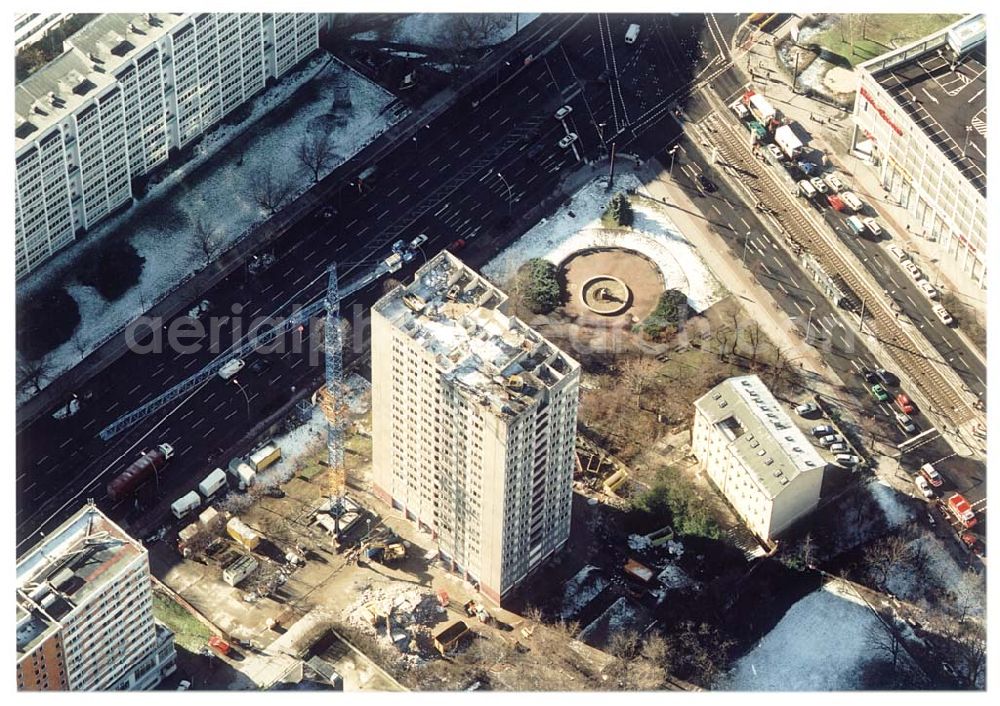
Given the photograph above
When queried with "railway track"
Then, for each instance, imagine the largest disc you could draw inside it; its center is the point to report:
(902, 346)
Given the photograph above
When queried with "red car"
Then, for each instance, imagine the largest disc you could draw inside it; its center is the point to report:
(218, 644)
(904, 403)
(835, 201)
(457, 245)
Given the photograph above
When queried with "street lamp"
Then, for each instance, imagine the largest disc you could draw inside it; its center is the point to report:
(247, 397)
(809, 323)
(510, 194)
(746, 245)
(671, 153)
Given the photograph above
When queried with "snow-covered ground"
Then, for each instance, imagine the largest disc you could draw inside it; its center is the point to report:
(943, 573)
(818, 645)
(580, 590)
(426, 28)
(653, 234)
(222, 201)
(888, 498)
(619, 616)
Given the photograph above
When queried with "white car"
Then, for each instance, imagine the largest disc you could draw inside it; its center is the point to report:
(775, 152)
(873, 227)
(831, 439)
(819, 185)
(925, 488)
(928, 289)
(568, 140)
(419, 240)
(184, 685)
(839, 448)
(847, 460)
(231, 368)
(741, 110)
(943, 314)
(898, 253)
(915, 274)
(563, 112)
(834, 182)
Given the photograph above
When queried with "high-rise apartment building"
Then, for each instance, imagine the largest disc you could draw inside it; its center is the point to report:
(128, 90)
(474, 424)
(85, 611)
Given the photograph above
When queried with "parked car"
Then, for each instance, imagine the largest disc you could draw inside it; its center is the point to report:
(707, 184)
(183, 685)
(943, 314)
(905, 423)
(776, 152)
(822, 430)
(231, 368)
(931, 475)
(913, 271)
(898, 253)
(878, 392)
(806, 410)
(563, 112)
(836, 203)
(834, 182)
(873, 227)
(819, 185)
(741, 110)
(259, 366)
(925, 488)
(847, 460)
(457, 245)
(886, 378)
(568, 140)
(869, 375)
(839, 448)
(419, 240)
(831, 439)
(928, 289)
(904, 403)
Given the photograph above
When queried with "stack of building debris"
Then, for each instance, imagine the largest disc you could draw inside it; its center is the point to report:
(399, 615)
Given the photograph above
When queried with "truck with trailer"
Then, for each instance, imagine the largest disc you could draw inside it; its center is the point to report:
(139, 471)
(245, 536)
(185, 504)
(784, 137)
(236, 571)
(962, 511)
(265, 456)
(213, 483)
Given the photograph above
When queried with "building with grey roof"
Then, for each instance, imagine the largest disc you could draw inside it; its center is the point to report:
(757, 457)
(920, 115)
(474, 424)
(128, 91)
(85, 611)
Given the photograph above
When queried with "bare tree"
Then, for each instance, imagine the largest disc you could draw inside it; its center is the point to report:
(869, 426)
(205, 241)
(638, 372)
(968, 653)
(31, 373)
(270, 190)
(466, 31)
(755, 335)
(734, 317)
(315, 152)
(883, 555)
(79, 343)
(969, 593)
(883, 639)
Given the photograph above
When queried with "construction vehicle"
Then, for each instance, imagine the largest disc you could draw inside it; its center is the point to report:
(245, 536)
(962, 511)
(183, 505)
(474, 609)
(385, 553)
(150, 463)
(263, 457)
(446, 638)
(784, 137)
(213, 483)
(218, 644)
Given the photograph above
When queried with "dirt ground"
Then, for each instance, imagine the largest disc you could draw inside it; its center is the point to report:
(639, 274)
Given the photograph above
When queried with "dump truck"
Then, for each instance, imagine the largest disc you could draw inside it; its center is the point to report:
(448, 637)
(264, 456)
(962, 511)
(139, 471)
(238, 530)
(185, 504)
(238, 570)
(784, 137)
(213, 483)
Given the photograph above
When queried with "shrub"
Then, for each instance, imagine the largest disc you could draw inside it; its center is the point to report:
(542, 292)
(668, 316)
(620, 210)
(112, 269)
(671, 499)
(46, 322)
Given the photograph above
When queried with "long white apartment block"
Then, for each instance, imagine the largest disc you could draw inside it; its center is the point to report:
(474, 424)
(129, 90)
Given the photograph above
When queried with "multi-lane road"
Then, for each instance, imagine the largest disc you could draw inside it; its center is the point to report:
(450, 182)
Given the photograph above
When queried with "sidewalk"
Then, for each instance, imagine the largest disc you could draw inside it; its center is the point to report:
(833, 137)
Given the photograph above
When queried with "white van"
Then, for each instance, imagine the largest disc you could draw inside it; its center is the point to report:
(851, 201)
(806, 189)
(632, 34)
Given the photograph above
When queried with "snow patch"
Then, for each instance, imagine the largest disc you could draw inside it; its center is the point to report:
(638, 542)
(674, 578)
(619, 616)
(653, 234)
(581, 590)
(896, 513)
(792, 657)
(426, 28)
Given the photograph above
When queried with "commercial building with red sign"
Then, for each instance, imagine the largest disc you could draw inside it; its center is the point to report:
(920, 120)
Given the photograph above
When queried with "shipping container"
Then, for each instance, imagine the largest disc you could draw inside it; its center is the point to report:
(213, 483)
(239, 569)
(264, 456)
(238, 530)
(182, 506)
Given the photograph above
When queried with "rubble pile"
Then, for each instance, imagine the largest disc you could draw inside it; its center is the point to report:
(399, 616)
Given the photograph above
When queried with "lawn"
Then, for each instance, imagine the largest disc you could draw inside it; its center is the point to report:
(189, 632)
(876, 33)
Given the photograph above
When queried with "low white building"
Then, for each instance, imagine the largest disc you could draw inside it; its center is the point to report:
(763, 464)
